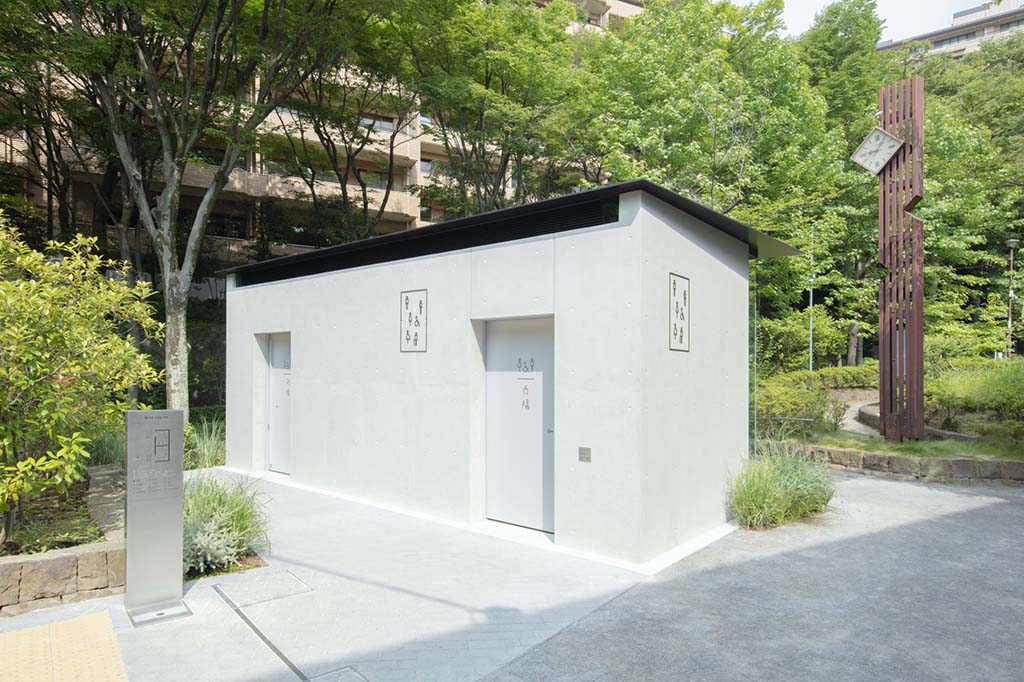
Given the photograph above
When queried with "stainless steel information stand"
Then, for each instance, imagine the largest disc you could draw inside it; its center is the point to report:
(153, 516)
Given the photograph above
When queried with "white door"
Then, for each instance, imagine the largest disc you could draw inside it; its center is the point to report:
(279, 406)
(520, 422)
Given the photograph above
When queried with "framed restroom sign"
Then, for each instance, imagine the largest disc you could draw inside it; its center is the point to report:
(413, 323)
(678, 312)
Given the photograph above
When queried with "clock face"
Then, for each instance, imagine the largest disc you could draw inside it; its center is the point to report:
(876, 150)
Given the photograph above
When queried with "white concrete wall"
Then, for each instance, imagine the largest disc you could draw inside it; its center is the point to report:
(597, 388)
(694, 406)
(366, 419)
(407, 429)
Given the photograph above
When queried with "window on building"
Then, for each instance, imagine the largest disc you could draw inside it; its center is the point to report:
(426, 121)
(426, 213)
(1010, 25)
(955, 40)
(382, 123)
(426, 166)
(375, 179)
(594, 19)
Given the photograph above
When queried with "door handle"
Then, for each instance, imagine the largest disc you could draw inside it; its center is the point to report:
(551, 430)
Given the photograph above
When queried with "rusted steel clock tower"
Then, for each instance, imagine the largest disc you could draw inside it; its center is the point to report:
(894, 152)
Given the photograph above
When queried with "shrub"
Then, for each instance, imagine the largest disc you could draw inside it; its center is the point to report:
(977, 385)
(204, 444)
(779, 485)
(66, 361)
(780, 397)
(223, 521)
(783, 341)
(804, 395)
(831, 378)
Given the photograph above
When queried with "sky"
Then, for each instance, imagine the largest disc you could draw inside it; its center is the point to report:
(903, 18)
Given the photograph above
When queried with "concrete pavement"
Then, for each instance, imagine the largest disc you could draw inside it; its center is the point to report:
(352, 592)
(901, 581)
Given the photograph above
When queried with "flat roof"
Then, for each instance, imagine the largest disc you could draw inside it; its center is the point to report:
(588, 208)
(951, 31)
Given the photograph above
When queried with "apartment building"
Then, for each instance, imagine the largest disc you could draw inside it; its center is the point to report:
(266, 184)
(969, 28)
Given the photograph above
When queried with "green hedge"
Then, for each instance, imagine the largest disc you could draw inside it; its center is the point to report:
(863, 376)
(804, 395)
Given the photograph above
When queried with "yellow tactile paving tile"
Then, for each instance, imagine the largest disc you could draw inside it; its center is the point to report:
(77, 650)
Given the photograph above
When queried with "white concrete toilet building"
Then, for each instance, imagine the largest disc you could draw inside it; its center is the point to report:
(576, 366)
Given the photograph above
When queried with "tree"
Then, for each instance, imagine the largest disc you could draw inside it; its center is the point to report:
(845, 68)
(708, 99)
(489, 75)
(212, 72)
(66, 360)
(34, 114)
(344, 126)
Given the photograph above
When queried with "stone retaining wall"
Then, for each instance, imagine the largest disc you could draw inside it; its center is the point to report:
(922, 468)
(35, 581)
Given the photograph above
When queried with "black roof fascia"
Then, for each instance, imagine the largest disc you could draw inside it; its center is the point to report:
(597, 206)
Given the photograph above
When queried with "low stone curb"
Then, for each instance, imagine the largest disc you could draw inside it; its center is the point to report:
(921, 468)
(868, 416)
(35, 581)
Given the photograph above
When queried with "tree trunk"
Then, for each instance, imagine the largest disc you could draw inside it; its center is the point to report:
(8, 524)
(852, 336)
(176, 348)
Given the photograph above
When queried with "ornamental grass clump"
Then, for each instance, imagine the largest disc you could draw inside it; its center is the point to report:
(204, 444)
(779, 485)
(224, 521)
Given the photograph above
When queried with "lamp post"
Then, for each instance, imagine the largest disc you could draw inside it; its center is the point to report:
(1012, 244)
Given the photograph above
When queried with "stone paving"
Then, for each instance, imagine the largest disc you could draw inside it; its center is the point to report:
(900, 581)
(351, 593)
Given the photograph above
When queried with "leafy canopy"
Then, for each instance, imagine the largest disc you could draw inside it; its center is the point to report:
(66, 359)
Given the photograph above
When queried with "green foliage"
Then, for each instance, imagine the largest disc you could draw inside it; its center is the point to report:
(207, 359)
(987, 448)
(995, 386)
(66, 360)
(804, 395)
(490, 75)
(204, 444)
(784, 342)
(27, 219)
(974, 183)
(831, 378)
(223, 521)
(839, 49)
(709, 99)
(782, 399)
(108, 448)
(779, 485)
